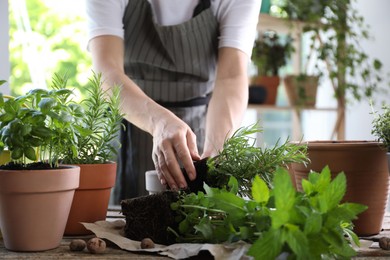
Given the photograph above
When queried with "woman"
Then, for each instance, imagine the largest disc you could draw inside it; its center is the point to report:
(182, 65)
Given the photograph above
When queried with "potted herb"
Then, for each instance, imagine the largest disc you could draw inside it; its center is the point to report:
(270, 53)
(381, 128)
(365, 165)
(239, 158)
(301, 89)
(36, 192)
(96, 147)
(336, 28)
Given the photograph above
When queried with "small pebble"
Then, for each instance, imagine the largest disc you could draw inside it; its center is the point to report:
(147, 243)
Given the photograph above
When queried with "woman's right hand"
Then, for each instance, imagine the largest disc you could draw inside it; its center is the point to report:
(174, 145)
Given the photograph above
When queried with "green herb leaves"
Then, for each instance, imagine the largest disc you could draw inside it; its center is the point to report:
(308, 225)
(381, 125)
(39, 123)
(243, 160)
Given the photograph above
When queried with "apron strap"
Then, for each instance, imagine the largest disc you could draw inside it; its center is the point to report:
(202, 5)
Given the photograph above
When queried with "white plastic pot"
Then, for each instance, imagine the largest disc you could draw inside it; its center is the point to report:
(152, 183)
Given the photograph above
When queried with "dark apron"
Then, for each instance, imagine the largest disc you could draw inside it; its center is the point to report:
(175, 66)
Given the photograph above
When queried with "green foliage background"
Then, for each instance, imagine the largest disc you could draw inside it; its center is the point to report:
(60, 35)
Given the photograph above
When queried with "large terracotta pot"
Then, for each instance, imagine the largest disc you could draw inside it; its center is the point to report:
(34, 206)
(365, 166)
(271, 84)
(91, 199)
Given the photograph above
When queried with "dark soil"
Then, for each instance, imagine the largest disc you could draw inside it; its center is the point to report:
(201, 176)
(150, 216)
(30, 166)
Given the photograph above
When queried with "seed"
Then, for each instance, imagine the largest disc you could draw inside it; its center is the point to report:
(384, 243)
(77, 245)
(96, 245)
(147, 243)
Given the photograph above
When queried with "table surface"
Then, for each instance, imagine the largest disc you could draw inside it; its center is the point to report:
(369, 247)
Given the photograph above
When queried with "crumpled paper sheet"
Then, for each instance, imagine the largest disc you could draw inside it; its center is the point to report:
(114, 232)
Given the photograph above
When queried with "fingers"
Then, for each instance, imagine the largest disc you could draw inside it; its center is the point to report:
(168, 152)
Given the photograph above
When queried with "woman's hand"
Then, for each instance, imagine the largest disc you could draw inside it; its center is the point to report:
(174, 143)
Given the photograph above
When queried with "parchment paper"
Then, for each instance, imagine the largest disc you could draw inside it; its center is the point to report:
(113, 231)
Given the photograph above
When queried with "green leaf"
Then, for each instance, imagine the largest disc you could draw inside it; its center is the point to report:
(377, 64)
(245, 232)
(184, 226)
(279, 218)
(320, 181)
(233, 185)
(205, 228)
(41, 131)
(313, 224)
(267, 247)
(46, 104)
(333, 194)
(296, 240)
(284, 190)
(29, 152)
(6, 117)
(260, 191)
(16, 153)
(345, 212)
(231, 204)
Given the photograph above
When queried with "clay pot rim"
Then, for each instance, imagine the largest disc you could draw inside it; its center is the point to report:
(339, 143)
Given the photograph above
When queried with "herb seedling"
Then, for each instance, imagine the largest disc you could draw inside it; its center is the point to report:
(243, 160)
(98, 130)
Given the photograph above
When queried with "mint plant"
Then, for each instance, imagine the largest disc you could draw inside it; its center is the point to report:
(40, 125)
(313, 224)
(99, 127)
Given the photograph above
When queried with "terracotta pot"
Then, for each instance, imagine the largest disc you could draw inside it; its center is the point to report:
(34, 206)
(301, 92)
(91, 199)
(271, 85)
(5, 157)
(365, 166)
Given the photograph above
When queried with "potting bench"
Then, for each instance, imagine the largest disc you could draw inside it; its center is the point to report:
(369, 248)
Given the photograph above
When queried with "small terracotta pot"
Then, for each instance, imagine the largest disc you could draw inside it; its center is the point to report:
(34, 206)
(271, 84)
(365, 166)
(301, 92)
(90, 202)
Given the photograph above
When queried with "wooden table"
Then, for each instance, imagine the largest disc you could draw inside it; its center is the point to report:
(369, 248)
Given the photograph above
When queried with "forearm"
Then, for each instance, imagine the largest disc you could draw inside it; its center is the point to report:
(137, 107)
(228, 103)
